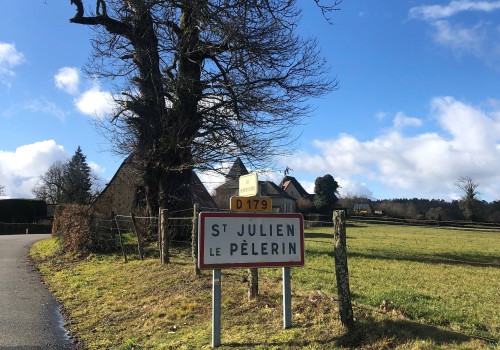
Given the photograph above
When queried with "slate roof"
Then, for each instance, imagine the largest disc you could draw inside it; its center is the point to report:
(238, 169)
(289, 180)
(233, 176)
(273, 190)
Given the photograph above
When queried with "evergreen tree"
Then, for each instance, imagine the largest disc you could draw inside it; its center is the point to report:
(69, 182)
(325, 189)
(77, 181)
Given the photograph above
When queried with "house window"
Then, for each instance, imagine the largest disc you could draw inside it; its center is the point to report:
(140, 197)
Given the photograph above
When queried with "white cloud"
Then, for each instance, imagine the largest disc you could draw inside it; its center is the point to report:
(92, 101)
(39, 105)
(20, 169)
(9, 58)
(95, 102)
(45, 106)
(460, 38)
(434, 12)
(68, 80)
(425, 165)
(401, 120)
(96, 168)
(458, 33)
(211, 180)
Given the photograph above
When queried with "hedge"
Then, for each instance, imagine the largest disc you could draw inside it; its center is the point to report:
(22, 210)
(78, 228)
(19, 229)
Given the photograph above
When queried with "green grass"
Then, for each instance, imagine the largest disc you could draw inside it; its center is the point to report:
(441, 285)
(440, 276)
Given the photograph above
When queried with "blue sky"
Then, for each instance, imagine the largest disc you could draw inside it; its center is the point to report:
(418, 104)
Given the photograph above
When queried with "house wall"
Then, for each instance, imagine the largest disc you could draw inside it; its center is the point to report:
(283, 205)
(119, 196)
(292, 191)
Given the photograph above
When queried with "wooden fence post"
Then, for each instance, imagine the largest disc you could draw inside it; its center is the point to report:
(139, 243)
(159, 232)
(341, 271)
(120, 236)
(194, 239)
(113, 235)
(164, 236)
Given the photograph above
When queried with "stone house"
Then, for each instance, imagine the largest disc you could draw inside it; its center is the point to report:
(293, 188)
(282, 202)
(230, 187)
(124, 194)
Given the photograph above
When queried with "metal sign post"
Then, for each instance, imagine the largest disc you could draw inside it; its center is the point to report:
(216, 307)
(287, 299)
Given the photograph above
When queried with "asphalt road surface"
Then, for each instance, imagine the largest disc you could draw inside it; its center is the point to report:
(29, 316)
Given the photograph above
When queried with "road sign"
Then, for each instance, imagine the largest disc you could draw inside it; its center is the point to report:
(247, 204)
(249, 185)
(246, 240)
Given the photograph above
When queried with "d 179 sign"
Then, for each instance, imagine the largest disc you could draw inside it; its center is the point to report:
(243, 240)
(251, 204)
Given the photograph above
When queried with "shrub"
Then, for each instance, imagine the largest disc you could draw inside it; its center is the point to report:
(77, 226)
(305, 206)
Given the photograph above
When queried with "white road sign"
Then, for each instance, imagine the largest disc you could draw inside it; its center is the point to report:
(242, 240)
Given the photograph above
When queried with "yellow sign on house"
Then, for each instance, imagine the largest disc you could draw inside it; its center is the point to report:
(251, 204)
(249, 185)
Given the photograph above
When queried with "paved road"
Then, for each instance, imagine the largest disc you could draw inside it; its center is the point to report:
(29, 315)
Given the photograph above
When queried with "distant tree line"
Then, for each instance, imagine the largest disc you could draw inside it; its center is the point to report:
(428, 209)
(469, 207)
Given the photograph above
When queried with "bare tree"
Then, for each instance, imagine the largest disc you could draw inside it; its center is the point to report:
(51, 184)
(470, 198)
(1, 190)
(69, 182)
(201, 82)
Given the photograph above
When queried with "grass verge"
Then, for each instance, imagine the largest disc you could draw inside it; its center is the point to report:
(441, 289)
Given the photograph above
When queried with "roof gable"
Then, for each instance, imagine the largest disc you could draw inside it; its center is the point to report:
(237, 170)
(273, 190)
(291, 181)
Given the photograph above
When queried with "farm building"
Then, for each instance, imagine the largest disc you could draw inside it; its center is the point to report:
(124, 194)
(362, 208)
(293, 188)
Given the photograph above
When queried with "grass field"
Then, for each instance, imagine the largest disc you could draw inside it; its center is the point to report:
(441, 289)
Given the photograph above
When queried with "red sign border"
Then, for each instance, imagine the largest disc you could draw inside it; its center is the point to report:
(201, 241)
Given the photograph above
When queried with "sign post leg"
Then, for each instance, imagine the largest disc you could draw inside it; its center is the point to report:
(216, 307)
(287, 299)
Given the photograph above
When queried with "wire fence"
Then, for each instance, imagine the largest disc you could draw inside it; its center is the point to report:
(132, 235)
